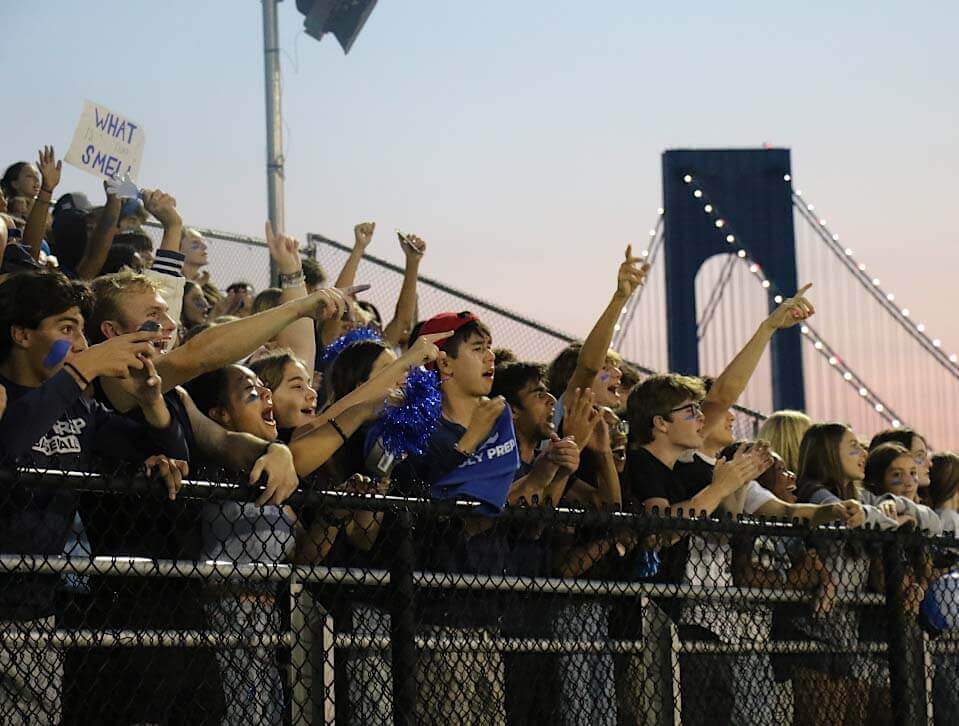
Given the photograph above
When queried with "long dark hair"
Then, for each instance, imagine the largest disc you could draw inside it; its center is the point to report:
(10, 176)
(943, 478)
(820, 462)
(878, 461)
(352, 368)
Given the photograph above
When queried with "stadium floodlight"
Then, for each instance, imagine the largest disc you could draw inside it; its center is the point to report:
(343, 18)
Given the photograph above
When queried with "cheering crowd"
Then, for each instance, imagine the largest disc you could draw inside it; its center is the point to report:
(116, 351)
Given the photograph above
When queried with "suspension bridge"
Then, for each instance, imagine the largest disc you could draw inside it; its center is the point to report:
(865, 359)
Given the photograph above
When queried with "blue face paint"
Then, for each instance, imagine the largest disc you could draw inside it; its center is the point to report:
(150, 326)
(58, 352)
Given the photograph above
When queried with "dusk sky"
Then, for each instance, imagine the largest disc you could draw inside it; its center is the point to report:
(521, 138)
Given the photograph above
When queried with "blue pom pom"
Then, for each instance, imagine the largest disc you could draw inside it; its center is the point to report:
(406, 429)
(344, 341)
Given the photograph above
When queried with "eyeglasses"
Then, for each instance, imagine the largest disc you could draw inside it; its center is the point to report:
(695, 410)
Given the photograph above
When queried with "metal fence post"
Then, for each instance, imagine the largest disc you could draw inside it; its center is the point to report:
(906, 675)
(403, 625)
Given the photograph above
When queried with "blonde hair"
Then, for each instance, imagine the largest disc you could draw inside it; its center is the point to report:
(784, 430)
(108, 291)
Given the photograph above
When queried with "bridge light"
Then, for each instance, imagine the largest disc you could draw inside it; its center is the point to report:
(687, 178)
(741, 254)
(847, 376)
(863, 392)
(880, 407)
(730, 238)
(778, 299)
(766, 284)
(698, 193)
(720, 223)
(786, 177)
(896, 423)
(708, 208)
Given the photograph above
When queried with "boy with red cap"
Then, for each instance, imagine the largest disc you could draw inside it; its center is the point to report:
(472, 454)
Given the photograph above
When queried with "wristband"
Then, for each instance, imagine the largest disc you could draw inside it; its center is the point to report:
(77, 373)
(338, 430)
(293, 279)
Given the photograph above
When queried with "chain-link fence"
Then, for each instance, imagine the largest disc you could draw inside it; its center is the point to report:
(121, 606)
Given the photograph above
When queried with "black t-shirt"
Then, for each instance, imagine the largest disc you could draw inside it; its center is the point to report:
(646, 477)
(695, 475)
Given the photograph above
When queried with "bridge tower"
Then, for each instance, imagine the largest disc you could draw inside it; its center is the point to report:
(751, 189)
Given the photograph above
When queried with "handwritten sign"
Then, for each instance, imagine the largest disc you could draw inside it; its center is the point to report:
(106, 144)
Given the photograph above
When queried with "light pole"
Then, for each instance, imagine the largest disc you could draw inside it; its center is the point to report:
(274, 123)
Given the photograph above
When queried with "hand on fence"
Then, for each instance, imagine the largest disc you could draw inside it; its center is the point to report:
(363, 234)
(169, 471)
(50, 169)
(580, 416)
(792, 311)
(855, 514)
(162, 206)
(275, 466)
(632, 274)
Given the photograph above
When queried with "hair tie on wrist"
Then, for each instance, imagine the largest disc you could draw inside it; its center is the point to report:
(86, 381)
(339, 430)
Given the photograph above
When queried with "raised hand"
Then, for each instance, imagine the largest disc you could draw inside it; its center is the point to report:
(284, 250)
(363, 233)
(412, 245)
(162, 206)
(632, 274)
(122, 187)
(169, 471)
(579, 419)
(792, 311)
(50, 169)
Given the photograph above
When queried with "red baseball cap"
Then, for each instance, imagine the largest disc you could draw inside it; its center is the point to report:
(445, 323)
